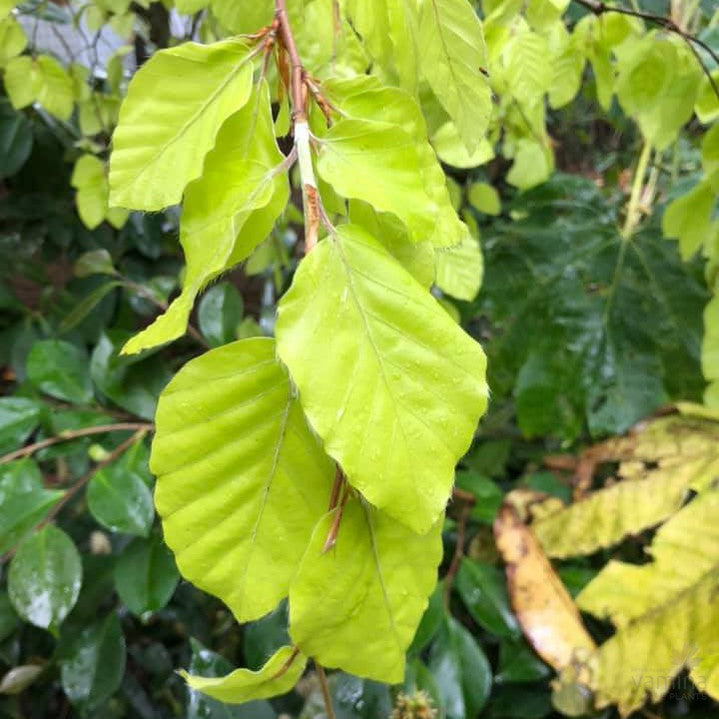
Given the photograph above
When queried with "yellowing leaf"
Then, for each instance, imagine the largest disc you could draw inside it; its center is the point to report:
(667, 611)
(370, 590)
(548, 617)
(398, 398)
(175, 106)
(241, 478)
(41, 79)
(279, 674)
(452, 55)
(658, 466)
(227, 212)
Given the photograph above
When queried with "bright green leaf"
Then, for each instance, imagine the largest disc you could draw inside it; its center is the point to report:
(356, 614)
(281, 672)
(452, 55)
(459, 269)
(485, 198)
(233, 454)
(398, 399)
(175, 106)
(12, 39)
(41, 79)
(688, 218)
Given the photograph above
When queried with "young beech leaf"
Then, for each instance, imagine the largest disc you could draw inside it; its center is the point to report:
(398, 399)
(175, 106)
(357, 607)
(365, 98)
(460, 268)
(227, 212)
(453, 53)
(41, 79)
(377, 162)
(280, 673)
(241, 478)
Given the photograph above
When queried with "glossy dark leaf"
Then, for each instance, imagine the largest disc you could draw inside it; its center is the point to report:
(145, 575)
(18, 418)
(59, 369)
(15, 139)
(261, 639)
(461, 670)
(23, 499)
(518, 663)
(219, 313)
(487, 494)
(45, 577)
(483, 591)
(93, 663)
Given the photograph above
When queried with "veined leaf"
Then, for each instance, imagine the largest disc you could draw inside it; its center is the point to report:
(667, 611)
(235, 460)
(175, 106)
(398, 399)
(281, 672)
(658, 466)
(367, 99)
(452, 55)
(41, 79)
(338, 599)
(460, 268)
(528, 71)
(227, 212)
(688, 218)
(377, 162)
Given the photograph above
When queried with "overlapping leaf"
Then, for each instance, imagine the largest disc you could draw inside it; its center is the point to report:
(241, 478)
(174, 109)
(371, 589)
(397, 400)
(227, 212)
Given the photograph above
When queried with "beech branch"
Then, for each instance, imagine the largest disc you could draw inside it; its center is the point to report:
(598, 7)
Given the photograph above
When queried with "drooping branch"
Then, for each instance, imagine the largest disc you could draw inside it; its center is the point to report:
(598, 7)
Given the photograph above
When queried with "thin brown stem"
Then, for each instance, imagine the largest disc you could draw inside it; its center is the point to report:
(77, 486)
(70, 434)
(598, 7)
(297, 72)
(283, 669)
(329, 709)
(336, 521)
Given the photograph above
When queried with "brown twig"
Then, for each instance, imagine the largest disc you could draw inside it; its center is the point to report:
(77, 486)
(337, 520)
(329, 710)
(283, 669)
(598, 7)
(298, 94)
(70, 434)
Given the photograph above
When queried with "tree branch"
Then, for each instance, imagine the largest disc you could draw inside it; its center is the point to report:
(598, 7)
(70, 434)
(77, 486)
(329, 710)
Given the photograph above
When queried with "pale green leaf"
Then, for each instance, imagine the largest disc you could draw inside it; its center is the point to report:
(6, 6)
(190, 7)
(242, 17)
(485, 198)
(12, 40)
(279, 674)
(528, 73)
(41, 79)
(365, 98)
(450, 149)
(532, 164)
(688, 218)
(175, 106)
(397, 400)
(358, 605)
(707, 103)
(234, 456)
(227, 212)
(377, 162)
(88, 177)
(453, 53)
(459, 269)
